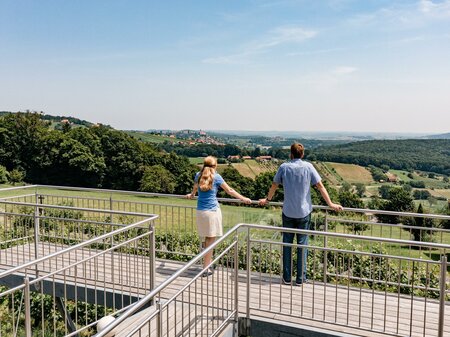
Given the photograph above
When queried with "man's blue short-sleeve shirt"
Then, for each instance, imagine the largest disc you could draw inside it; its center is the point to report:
(207, 201)
(297, 176)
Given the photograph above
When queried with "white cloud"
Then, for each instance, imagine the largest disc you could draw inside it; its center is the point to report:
(284, 35)
(435, 9)
(344, 70)
(281, 35)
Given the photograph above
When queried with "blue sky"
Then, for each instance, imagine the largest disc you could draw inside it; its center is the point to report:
(336, 65)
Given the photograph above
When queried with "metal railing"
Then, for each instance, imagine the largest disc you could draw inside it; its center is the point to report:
(63, 268)
(176, 226)
(396, 295)
(353, 272)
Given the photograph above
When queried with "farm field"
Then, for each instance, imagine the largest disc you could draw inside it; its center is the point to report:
(352, 173)
(251, 168)
(149, 138)
(326, 173)
(429, 182)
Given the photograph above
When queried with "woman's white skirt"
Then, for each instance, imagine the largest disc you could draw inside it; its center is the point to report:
(209, 223)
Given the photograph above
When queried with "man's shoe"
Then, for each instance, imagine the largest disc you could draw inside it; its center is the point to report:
(286, 282)
(297, 283)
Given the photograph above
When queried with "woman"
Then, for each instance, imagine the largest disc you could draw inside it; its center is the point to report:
(209, 216)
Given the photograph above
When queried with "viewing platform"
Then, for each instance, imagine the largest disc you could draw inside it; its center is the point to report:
(69, 257)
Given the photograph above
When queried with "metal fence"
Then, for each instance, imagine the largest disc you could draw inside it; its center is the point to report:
(364, 290)
(363, 273)
(63, 268)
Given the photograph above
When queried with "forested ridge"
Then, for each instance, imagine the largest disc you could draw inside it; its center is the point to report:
(431, 155)
(95, 156)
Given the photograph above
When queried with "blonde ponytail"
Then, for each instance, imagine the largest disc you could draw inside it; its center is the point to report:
(206, 178)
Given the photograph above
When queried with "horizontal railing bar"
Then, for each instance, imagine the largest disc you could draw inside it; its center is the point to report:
(17, 196)
(217, 258)
(17, 239)
(147, 298)
(103, 252)
(349, 236)
(93, 210)
(43, 217)
(338, 250)
(77, 246)
(19, 187)
(390, 283)
(436, 229)
(177, 196)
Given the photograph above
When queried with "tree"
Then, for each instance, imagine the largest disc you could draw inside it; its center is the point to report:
(157, 179)
(241, 184)
(349, 199)
(4, 175)
(421, 194)
(418, 232)
(16, 176)
(346, 187)
(360, 189)
(384, 191)
(398, 201)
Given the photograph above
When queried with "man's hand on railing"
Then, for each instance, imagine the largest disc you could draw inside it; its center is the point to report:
(247, 201)
(263, 202)
(336, 207)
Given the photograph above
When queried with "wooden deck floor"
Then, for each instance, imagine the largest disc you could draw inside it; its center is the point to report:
(206, 302)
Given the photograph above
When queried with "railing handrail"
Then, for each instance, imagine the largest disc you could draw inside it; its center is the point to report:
(147, 298)
(77, 246)
(229, 200)
(93, 210)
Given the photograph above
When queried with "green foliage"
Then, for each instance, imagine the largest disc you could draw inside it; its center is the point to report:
(350, 199)
(360, 189)
(241, 184)
(377, 173)
(417, 183)
(16, 176)
(4, 175)
(421, 194)
(92, 156)
(157, 179)
(430, 155)
(419, 233)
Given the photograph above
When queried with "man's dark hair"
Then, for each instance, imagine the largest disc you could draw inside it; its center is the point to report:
(297, 150)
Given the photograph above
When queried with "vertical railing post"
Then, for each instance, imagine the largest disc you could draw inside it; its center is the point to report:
(249, 261)
(36, 218)
(442, 284)
(325, 252)
(27, 300)
(152, 255)
(111, 205)
(236, 276)
(159, 323)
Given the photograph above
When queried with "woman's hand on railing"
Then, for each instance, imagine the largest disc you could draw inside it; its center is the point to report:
(189, 196)
(247, 201)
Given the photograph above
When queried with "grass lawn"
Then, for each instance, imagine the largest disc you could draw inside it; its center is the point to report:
(196, 160)
(149, 138)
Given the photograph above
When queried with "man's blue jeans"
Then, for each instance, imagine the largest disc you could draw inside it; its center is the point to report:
(302, 252)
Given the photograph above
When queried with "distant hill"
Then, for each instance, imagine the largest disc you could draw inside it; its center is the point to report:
(322, 135)
(431, 155)
(56, 120)
(440, 136)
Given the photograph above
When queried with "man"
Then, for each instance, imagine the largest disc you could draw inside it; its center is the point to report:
(297, 176)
